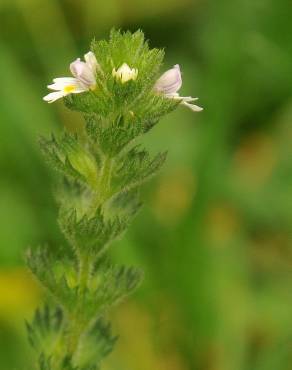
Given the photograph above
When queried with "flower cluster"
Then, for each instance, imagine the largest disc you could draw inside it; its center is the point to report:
(85, 79)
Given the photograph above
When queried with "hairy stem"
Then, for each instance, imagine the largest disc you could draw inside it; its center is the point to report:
(84, 272)
(77, 325)
(105, 179)
(104, 185)
(76, 322)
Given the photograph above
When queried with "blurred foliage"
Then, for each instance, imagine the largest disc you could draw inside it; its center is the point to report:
(215, 237)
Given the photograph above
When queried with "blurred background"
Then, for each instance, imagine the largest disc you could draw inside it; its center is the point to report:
(214, 237)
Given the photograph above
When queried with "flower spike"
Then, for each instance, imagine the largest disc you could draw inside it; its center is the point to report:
(101, 171)
(169, 84)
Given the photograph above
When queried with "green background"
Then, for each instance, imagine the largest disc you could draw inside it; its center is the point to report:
(214, 237)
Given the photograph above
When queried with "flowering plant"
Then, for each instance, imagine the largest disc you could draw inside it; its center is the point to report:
(121, 96)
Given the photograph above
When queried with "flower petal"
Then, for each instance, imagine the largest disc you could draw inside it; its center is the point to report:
(170, 82)
(91, 61)
(188, 99)
(176, 96)
(61, 82)
(64, 86)
(83, 72)
(193, 107)
(68, 80)
(50, 98)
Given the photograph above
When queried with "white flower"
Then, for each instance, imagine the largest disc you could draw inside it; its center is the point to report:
(125, 73)
(169, 84)
(85, 71)
(84, 79)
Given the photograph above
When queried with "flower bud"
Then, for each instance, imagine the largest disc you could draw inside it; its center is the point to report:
(125, 73)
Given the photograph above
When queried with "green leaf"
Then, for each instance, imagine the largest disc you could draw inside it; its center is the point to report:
(124, 205)
(90, 235)
(110, 284)
(57, 273)
(135, 168)
(96, 345)
(112, 138)
(69, 157)
(45, 328)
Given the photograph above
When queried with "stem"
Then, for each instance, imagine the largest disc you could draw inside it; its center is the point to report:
(77, 322)
(84, 270)
(105, 179)
(104, 185)
(77, 328)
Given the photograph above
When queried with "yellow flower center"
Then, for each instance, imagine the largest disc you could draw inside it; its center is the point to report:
(69, 88)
